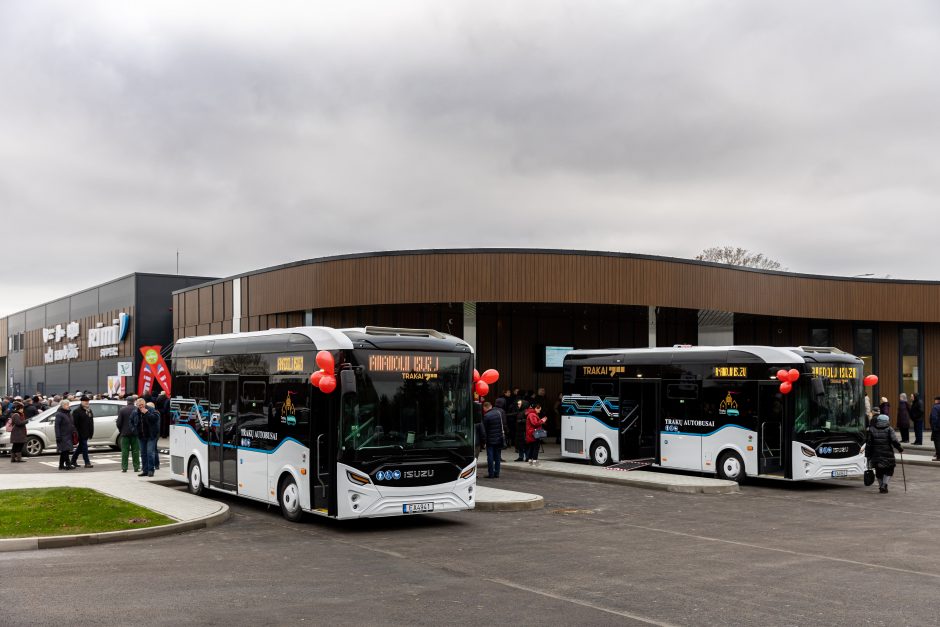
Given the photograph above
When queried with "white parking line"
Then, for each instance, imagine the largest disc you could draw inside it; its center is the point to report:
(94, 461)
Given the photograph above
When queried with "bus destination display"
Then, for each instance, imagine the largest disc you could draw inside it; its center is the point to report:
(410, 365)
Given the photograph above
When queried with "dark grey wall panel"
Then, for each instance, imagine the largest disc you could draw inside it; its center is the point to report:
(116, 295)
(58, 311)
(84, 376)
(84, 304)
(32, 379)
(35, 318)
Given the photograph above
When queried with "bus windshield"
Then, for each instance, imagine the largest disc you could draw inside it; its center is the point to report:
(408, 401)
(825, 406)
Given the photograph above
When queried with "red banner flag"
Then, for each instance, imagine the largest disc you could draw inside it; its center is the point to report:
(153, 368)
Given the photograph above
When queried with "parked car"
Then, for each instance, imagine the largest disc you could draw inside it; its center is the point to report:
(40, 430)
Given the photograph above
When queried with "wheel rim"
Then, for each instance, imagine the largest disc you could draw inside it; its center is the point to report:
(600, 455)
(732, 467)
(195, 477)
(290, 497)
(33, 447)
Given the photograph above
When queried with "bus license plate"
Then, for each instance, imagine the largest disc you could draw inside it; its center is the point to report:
(417, 508)
(840, 473)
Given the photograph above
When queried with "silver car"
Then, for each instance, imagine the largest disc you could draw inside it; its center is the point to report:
(40, 430)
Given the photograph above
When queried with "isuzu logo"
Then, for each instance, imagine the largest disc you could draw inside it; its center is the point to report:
(394, 475)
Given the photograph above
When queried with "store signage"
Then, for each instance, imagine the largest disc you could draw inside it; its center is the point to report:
(108, 337)
(66, 353)
(56, 333)
(125, 369)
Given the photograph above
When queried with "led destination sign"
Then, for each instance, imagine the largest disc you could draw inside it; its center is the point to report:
(836, 372)
(730, 372)
(410, 365)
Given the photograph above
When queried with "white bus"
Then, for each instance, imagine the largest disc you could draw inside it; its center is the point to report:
(394, 437)
(717, 410)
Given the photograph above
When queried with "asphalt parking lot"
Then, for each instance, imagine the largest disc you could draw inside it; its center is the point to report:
(834, 553)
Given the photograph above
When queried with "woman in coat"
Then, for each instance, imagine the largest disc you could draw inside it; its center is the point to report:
(904, 419)
(880, 444)
(533, 422)
(18, 434)
(64, 430)
(916, 410)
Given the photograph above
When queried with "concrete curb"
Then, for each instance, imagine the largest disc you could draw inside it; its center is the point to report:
(497, 500)
(58, 542)
(917, 462)
(622, 478)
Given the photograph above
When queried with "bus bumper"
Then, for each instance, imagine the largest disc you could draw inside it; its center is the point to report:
(822, 468)
(361, 501)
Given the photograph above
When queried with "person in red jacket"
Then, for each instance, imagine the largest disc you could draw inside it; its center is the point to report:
(533, 422)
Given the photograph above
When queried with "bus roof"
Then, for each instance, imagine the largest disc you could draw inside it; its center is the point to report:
(766, 354)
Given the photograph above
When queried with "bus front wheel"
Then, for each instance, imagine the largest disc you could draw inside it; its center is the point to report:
(289, 499)
(600, 453)
(730, 467)
(194, 485)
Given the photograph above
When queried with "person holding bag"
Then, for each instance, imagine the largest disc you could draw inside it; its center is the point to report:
(881, 442)
(64, 434)
(534, 432)
(17, 429)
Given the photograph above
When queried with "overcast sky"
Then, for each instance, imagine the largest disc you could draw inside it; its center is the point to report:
(245, 138)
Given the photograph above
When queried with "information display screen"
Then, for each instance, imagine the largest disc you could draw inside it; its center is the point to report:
(555, 356)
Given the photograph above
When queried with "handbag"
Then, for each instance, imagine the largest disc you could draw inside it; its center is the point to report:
(540, 434)
(75, 438)
(869, 477)
(9, 426)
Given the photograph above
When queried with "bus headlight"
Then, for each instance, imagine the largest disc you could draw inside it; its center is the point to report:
(355, 477)
(808, 451)
(466, 474)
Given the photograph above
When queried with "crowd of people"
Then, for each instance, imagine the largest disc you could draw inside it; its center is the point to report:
(517, 419)
(140, 423)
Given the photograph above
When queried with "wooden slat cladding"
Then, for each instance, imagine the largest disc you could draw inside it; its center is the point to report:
(579, 278)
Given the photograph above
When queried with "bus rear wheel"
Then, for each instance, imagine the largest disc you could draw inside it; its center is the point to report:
(600, 454)
(289, 499)
(730, 467)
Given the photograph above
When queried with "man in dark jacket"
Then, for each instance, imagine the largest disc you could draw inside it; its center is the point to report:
(84, 421)
(128, 435)
(64, 429)
(935, 427)
(916, 411)
(148, 429)
(31, 407)
(493, 429)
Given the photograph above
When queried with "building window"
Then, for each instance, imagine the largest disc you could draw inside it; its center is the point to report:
(820, 336)
(865, 346)
(910, 360)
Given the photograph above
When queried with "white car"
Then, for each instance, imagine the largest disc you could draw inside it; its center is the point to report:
(40, 430)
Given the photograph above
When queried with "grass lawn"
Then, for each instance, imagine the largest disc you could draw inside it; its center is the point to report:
(68, 511)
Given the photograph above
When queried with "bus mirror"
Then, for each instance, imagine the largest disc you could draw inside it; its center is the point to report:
(347, 379)
(819, 388)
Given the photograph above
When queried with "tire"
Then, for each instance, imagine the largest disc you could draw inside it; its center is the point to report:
(33, 446)
(289, 498)
(600, 454)
(730, 467)
(194, 482)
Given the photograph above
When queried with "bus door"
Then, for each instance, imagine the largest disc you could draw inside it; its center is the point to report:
(223, 402)
(771, 428)
(639, 415)
(323, 429)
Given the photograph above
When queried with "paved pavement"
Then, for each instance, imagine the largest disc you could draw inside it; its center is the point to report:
(831, 552)
(497, 500)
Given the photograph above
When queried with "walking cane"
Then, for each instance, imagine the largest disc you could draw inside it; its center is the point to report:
(903, 474)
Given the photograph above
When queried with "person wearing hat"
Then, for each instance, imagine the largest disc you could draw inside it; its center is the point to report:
(880, 443)
(84, 421)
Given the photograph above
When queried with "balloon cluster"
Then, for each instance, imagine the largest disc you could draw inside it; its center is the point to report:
(482, 382)
(324, 378)
(871, 380)
(787, 378)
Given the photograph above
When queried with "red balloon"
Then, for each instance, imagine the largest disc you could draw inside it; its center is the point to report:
(325, 361)
(482, 388)
(315, 378)
(785, 387)
(871, 380)
(782, 375)
(327, 383)
(793, 375)
(490, 376)
(476, 375)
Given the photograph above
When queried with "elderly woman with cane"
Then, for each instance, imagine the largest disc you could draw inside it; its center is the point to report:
(881, 442)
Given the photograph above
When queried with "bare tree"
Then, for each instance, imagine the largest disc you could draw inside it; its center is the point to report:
(737, 256)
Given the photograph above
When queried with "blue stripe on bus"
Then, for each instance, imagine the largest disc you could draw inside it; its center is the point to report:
(242, 448)
(705, 434)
